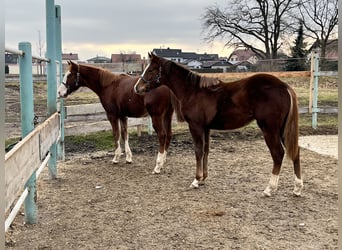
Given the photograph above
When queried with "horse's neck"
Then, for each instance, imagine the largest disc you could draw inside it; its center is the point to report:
(92, 76)
(178, 81)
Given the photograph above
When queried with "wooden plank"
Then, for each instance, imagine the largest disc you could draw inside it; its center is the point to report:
(85, 128)
(26, 156)
(49, 131)
(328, 73)
(20, 164)
(239, 75)
(79, 128)
(87, 117)
(82, 109)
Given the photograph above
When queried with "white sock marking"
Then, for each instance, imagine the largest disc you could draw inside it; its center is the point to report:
(117, 153)
(194, 184)
(272, 185)
(161, 158)
(128, 152)
(298, 186)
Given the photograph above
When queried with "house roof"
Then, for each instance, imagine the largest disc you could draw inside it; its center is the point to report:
(70, 56)
(242, 54)
(220, 63)
(99, 59)
(168, 52)
(177, 53)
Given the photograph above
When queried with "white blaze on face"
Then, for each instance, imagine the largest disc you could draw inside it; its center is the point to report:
(62, 90)
(148, 65)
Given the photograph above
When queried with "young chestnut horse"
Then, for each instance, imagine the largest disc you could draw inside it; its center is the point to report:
(208, 103)
(119, 101)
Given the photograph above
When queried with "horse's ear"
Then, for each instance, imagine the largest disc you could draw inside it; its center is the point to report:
(69, 62)
(150, 55)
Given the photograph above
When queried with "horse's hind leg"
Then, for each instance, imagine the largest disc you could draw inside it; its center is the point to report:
(273, 142)
(116, 134)
(124, 136)
(298, 185)
(205, 155)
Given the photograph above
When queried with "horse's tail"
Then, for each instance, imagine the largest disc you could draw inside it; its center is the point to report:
(291, 129)
(177, 107)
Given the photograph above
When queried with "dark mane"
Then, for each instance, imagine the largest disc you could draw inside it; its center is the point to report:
(106, 77)
(194, 78)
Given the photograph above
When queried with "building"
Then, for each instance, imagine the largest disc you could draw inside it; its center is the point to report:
(69, 57)
(127, 58)
(241, 55)
(178, 56)
(99, 59)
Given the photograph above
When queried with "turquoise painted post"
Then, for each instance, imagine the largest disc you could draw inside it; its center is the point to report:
(58, 27)
(27, 124)
(51, 78)
(316, 73)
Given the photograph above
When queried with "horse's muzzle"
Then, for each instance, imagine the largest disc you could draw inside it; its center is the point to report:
(140, 90)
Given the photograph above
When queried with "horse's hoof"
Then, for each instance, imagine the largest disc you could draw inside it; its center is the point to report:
(115, 162)
(194, 184)
(128, 162)
(266, 193)
(156, 172)
(297, 194)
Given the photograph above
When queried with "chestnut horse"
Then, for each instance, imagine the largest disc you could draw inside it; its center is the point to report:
(118, 99)
(208, 103)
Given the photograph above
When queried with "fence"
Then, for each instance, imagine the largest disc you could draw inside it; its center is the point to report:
(38, 148)
(78, 114)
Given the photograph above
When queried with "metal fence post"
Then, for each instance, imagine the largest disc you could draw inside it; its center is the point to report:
(60, 144)
(51, 77)
(27, 124)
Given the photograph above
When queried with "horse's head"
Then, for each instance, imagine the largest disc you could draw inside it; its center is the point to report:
(151, 76)
(71, 80)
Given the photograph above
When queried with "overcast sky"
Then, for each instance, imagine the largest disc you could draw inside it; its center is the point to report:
(105, 27)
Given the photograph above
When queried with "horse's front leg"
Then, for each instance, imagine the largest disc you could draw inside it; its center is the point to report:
(124, 136)
(198, 140)
(161, 157)
(116, 135)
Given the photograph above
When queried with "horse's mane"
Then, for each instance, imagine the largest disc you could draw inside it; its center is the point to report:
(195, 79)
(106, 77)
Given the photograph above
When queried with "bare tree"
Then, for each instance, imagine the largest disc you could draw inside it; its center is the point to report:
(40, 47)
(320, 20)
(255, 24)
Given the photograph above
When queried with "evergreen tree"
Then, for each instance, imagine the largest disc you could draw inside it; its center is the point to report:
(297, 61)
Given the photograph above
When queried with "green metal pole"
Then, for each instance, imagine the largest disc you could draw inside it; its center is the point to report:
(51, 78)
(27, 124)
(60, 144)
(26, 89)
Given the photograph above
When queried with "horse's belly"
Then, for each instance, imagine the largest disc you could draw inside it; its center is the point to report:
(228, 122)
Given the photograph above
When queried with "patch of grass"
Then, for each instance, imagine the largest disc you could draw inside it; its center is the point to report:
(11, 142)
(99, 141)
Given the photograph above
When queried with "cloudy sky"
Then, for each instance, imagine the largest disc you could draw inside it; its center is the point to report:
(105, 27)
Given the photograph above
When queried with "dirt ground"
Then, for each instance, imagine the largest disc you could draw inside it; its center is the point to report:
(94, 204)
